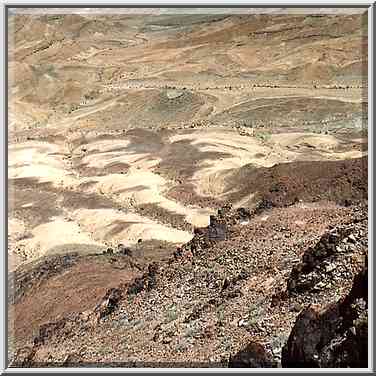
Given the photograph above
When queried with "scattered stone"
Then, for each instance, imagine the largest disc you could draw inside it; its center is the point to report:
(72, 360)
(296, 307)
(24, 357)
(226, 283)
(146, 282)
(242, 322)
(330, 267)
(352, 239)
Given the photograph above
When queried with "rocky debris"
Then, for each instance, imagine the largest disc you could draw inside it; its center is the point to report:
(24, 357)
(185, 193)
(64, 328)
(216, 230)
(68, 326)
(285, 184)
(197, 305)
(198, 310)
(24, 279)
(325, 259)
(146, 282)
(264, 204)
(124, 250)
(109, 303)
(254, 355)
(231, 282)
(161, 215)
(335, 336)
(108, 251)
(243, 215)
(206, 237)
(72, 360)
(47, 330)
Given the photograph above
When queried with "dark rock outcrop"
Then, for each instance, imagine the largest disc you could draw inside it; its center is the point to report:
(336, 336)
(146, 282)
(320, 263)
(206, 237)
(109, 303)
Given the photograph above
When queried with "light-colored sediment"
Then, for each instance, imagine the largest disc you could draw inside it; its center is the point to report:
(39, 160)
(140, 183)
(127, 228)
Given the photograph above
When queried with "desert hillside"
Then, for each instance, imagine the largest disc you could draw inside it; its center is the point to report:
(175, 185)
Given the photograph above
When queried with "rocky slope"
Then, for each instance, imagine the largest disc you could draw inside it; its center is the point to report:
(229, 297)
(187, 190)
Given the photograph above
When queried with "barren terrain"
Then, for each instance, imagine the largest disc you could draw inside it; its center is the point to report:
(133, 137)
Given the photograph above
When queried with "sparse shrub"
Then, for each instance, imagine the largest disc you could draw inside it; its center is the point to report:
(263, 136)
(192, 332)
(220, 313)
(172, 314)
(181, 346)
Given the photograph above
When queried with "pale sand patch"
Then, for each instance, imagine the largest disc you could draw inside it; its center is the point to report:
(139, 187)
(213, 179)
(16, 229)
(173, 94)
(39, 160)
(317, 141)
(245, 201)
(347, 155)
(360, 140)
(137, 160)
(16, 232)
(57, 232)
(15, 226)
(321, 144)
(14, 260)
(103, 145)
(109, 225)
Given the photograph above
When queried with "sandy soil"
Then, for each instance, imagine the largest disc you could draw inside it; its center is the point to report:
(218, 155)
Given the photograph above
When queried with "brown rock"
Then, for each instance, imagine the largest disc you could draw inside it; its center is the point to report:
(252, 356)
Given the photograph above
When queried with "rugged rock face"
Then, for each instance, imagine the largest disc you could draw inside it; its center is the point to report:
(324, 262)
(145, 282)
(286, 184)
(214, 299)
(24, 357)
(335, 336)
(204, 238)
(109, 303)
